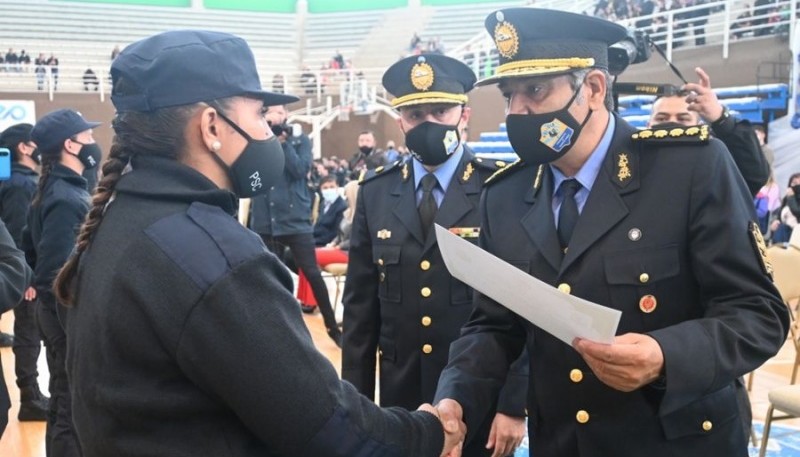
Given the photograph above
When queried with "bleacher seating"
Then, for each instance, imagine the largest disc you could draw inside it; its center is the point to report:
(327, 32)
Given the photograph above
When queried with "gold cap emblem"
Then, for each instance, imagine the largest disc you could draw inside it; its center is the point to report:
(422, 75)
(506, 39)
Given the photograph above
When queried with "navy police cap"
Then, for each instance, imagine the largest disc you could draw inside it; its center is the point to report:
(14, 135)
(534, 41)
(432, 78)
(184, 67)
(55, 127)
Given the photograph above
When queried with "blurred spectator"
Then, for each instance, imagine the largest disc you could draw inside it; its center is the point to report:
(415, 42)
(90, 79)
(761, 16)
(12, 60)
(115, 52)
(338, 59)
(40, 70)
(52, 62)
(366, 149)
(391, 152)
(308, 81)
(742, 21)
(24, 61)
(331, 211)
(785, 219)
(699, 21)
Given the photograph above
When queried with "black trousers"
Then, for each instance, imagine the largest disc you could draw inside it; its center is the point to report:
(60, 437)
(27, 344)
(303, 250)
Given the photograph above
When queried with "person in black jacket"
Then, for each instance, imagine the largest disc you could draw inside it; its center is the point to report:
(15, 199)
(699, 103)
(59, 206)
(331, 211)
(282, 216)
(183, 335)
(15, 275)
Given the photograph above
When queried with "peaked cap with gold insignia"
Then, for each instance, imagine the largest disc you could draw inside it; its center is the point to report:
(431, 78)
(534, 41)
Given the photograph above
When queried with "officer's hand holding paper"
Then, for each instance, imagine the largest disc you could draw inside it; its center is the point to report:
(562, 315)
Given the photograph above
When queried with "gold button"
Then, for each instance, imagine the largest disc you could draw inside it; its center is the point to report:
(564, 287)
(644, 277)
(425, 265)
(582, 417)
(427, 348)
(380, 262)
(383, 277)
(426, 321)
(426, 292)
(500, 164)
(576, 375)
(707, 426)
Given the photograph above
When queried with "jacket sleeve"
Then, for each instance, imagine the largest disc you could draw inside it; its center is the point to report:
(492, 339)
(361, 307)
(14, 272)
(16, 201)
(61, 221)
(298, 157)
(743, 320)
(741, 141)
(513, 398)
(291, 397)
(794, 206)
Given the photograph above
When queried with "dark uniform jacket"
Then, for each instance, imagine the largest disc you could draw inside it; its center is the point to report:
(186, 340)
(286, 208)
(666, 229)
(399, 298)
(740, 139)
(15, 199)
(53, 225)
(327, 226)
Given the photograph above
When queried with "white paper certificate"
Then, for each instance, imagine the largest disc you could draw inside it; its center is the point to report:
(562, 315)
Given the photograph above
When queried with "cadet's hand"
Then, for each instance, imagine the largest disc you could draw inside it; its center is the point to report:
(506, 434)
(30, 294)
(634, 360)
(790, 192)
(703, 100)
(775, 224)
(454, 430)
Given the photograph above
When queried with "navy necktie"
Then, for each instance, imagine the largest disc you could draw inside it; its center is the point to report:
(568, 215)
(427, 206)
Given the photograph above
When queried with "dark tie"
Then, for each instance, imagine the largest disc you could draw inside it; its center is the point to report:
(568, 215)
(427, 206)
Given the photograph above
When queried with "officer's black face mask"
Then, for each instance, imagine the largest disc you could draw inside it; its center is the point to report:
(258, 167)
(546, 137)
(366, 150)
(36, 155)
(90, 154)
(432, 143)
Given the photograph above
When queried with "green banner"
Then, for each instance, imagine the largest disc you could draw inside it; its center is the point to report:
(457, 2)
(336, 6)
(271, 6)
(139, 2)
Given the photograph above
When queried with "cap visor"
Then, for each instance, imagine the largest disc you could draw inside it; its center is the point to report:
(525, 73)
(272, 98)
(91, 125)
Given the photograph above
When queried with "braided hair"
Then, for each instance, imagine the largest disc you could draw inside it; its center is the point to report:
(50, 158)
(160, 134)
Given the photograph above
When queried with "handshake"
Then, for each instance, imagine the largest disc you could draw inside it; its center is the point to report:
(450, 413)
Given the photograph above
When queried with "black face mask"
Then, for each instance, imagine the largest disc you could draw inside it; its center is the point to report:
(36, 155)
(366, 150)
(543, 138)
(258, 167)
(90, 154)
(432, 143)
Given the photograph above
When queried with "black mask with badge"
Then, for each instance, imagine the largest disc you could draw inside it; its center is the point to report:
(432, 143)
(90, 154)
(545, 137)
(259, 166)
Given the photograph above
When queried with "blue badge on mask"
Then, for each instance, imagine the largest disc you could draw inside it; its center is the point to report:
(556, 135)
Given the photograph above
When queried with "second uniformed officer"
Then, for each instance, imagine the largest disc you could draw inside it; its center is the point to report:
(655, 224)
(399, 297)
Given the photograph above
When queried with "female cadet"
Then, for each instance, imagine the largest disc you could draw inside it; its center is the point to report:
(184, 338)
(61, 201)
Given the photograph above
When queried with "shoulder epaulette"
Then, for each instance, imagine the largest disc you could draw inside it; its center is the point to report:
(505, 171)
(380, 171)
(697, 134)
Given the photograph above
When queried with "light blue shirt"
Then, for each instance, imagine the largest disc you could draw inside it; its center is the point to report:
(444, 174)
(587, 175)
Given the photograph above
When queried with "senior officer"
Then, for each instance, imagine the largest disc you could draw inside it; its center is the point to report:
(399, 297)
(660, 227)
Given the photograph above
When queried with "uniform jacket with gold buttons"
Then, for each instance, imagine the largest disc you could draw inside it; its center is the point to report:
(399, 298)
(666, 238)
